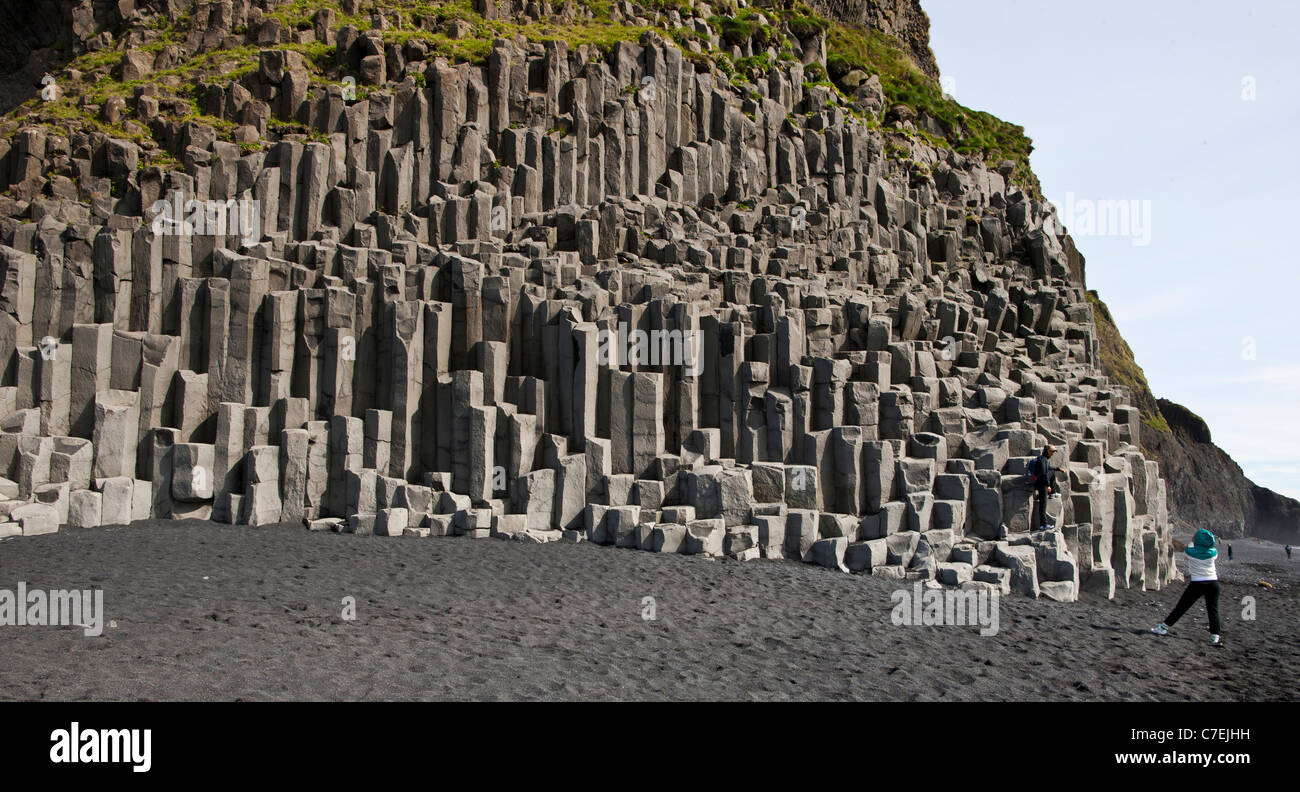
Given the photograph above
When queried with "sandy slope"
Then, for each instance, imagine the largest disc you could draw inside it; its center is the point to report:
(213, 612)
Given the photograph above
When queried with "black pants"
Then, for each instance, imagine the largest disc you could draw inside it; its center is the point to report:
(1194, 591)
(1040, 503)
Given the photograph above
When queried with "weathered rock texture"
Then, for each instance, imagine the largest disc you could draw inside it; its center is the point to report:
(426, 333)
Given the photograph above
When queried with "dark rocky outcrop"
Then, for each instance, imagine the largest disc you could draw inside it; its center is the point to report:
(38, 37)
(27, 38)
(1207, 489)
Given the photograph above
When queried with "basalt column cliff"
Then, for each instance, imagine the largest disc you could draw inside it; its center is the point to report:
(689, 278)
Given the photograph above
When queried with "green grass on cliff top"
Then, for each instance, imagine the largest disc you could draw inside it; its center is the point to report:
(967, 131)
(454, 30)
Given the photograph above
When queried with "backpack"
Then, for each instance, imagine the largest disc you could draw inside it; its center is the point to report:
(1035, 468)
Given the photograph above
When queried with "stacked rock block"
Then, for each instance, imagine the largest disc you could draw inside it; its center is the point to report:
(524, 301)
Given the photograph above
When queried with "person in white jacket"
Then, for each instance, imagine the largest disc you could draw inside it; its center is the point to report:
(1204, 582)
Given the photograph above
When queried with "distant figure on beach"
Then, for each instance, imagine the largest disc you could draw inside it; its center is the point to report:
(1229, 552)
(1204, 583)
(1041, 474)
(1288, 553)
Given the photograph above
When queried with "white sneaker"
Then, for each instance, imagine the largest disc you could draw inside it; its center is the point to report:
(1161, 629)
(1215, 640)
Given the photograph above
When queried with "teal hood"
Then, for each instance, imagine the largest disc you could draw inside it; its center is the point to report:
(1202, 545)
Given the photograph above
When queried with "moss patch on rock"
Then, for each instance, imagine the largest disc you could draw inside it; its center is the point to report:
(966, 131)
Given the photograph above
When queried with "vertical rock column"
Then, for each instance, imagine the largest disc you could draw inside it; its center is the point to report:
(116, 424)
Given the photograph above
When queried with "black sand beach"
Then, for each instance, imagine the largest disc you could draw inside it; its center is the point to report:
(201, 611)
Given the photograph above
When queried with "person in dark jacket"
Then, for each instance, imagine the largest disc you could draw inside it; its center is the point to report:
(1044, 484)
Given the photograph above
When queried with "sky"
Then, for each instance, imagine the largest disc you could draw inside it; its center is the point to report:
(1185, 115)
